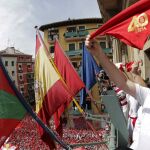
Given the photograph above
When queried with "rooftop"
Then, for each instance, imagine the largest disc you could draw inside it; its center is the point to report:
(11, 51)
(71, 22)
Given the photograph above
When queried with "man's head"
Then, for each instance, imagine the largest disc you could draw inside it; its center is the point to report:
(135, 68)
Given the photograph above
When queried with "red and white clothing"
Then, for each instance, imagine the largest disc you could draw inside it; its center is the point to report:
(122, 100)
(143, 97)
(133, 109)
(136, 130)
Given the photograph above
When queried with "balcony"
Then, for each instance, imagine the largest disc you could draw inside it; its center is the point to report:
(75, 35)
(74, 53)
(107, 50)
(52, 38)
(83, 33)
(29, 69)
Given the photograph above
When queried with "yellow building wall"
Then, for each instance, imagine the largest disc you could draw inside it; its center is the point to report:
(63, 29)
(65, 45)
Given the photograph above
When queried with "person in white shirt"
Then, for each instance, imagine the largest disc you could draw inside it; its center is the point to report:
(141, 94)
(132, 114)
(134, 105)
(136, 131)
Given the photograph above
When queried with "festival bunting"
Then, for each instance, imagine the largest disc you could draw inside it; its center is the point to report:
(70, 77)
(131, 26)
(50, 91)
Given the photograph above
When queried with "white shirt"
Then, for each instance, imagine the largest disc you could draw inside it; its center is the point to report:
(133, 109)
(143, 97)
(133, 105)
(137, 129)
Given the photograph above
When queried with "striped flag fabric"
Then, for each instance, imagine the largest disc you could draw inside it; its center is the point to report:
(70, 77)
(50, 91)
(11, 110)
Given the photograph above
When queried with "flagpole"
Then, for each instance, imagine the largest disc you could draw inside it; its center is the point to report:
(78, 106)
(30, 111)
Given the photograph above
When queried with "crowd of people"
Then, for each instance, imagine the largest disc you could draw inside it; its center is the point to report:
(26, 136)
(137, 94)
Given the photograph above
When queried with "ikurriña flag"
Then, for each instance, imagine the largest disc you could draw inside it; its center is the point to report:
(131, 26)
(70, 77)
(11, 110)
(50, 91)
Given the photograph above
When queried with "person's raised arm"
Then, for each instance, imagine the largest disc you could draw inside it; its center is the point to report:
(114, 74)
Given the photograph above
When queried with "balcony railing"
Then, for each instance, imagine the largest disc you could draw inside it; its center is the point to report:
(74, 53)
(107, 50)
(83, 33)
(76, 34)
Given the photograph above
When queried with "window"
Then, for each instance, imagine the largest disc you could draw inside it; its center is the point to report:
(51, 49)
(6, 63)
(71, 29)
(12, 63)
(103, 44)
(19, 68)
(29, 76)
(75, 64)
(28, 66)
(81, 28)
(71, 46)
(13, 73)
(22, 89)
(80, 46)
(20, 77)
(53, 34)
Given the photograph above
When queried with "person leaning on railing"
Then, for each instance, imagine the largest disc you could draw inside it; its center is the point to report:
(141, 94)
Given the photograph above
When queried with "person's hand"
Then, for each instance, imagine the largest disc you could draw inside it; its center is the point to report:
(92, 45)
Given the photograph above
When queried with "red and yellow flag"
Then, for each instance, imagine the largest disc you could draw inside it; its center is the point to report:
(70, 77)
(131, 26)
(50, 92)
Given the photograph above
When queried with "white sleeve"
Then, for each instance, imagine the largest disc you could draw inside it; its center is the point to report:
(141, 93)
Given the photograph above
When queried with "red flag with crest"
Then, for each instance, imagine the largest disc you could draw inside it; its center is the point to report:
(131, 26)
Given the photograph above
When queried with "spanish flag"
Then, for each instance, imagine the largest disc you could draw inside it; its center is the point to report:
(70, 77)
(131, 26)
(50, 91)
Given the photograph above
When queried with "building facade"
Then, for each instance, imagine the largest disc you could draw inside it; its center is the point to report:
(71, 34)
(20, 69)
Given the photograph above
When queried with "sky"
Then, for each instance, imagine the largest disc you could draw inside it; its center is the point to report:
(19, 17)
